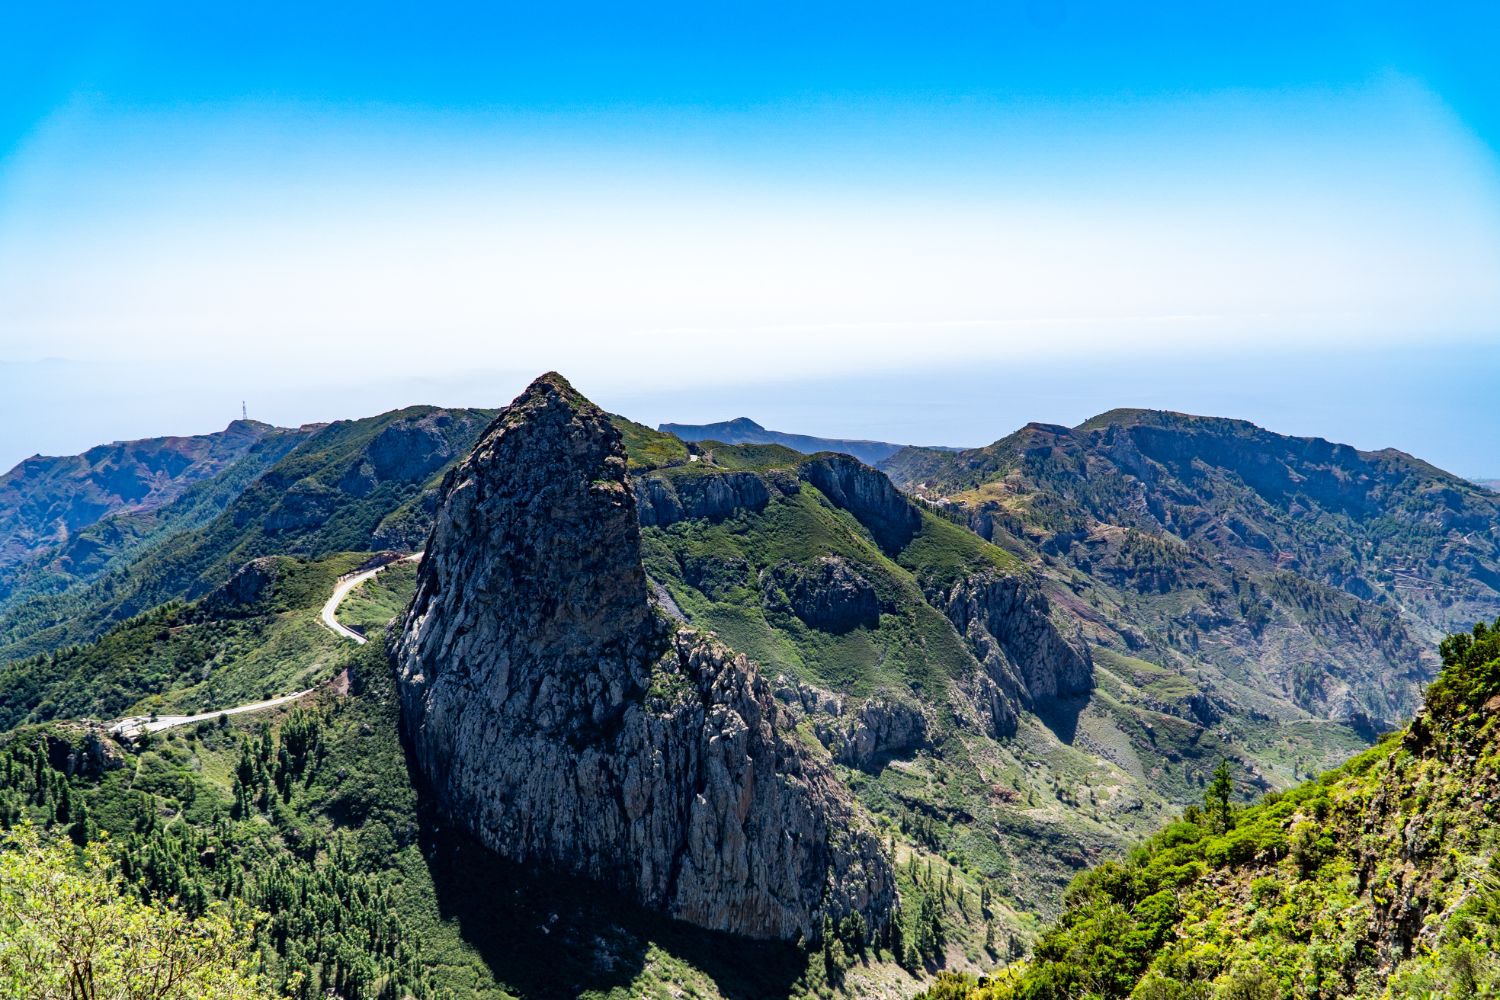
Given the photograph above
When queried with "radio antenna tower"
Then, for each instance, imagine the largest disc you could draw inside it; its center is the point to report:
(244, 413)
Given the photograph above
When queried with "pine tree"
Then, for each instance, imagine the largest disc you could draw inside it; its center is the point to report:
(1216, 799)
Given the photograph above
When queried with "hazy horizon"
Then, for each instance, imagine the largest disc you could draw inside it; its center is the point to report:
(1410, 400)
(927, 225)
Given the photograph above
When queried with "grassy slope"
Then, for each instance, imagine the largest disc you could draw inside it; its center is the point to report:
(1379, 878)
(1015, 819)
(375, 602)
(183, 659)
(311, 503)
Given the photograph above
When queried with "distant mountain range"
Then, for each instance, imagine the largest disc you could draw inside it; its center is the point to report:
(46, 500)
(352, 485)
(743, 430)
(947, 680)
(1292, 564)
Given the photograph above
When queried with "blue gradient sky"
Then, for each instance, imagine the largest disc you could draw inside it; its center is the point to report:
(866, 219)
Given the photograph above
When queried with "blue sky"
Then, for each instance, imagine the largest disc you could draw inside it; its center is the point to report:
(928, 222)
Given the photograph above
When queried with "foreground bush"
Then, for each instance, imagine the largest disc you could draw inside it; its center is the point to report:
(69, 931)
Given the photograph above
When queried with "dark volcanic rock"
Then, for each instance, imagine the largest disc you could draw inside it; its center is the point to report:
(828, 595)
(83, 748)
(873, 500)
(711, 496)
(1007, 623)
(305, 505)
(562, 722)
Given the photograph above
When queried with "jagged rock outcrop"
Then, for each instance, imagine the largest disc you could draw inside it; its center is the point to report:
(861, 734)
(710, 496)
(560, 720)
(828, 595)
(251, 584)
(1006, 620)
(873, 499)
(83, 748)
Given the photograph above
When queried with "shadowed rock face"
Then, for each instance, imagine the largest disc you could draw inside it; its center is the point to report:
(1007, 623)
(556, 717)
(868, 495)
(828, 595)
(710, 497)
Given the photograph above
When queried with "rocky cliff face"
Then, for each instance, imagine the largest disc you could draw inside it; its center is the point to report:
(863, 734)
(562, 722)
(1006, 621)
(868, 495)
(711, 497)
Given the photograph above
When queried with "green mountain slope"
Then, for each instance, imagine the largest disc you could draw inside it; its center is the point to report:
(1378, 879)
(1023, 666)
(46, 500)
(1276, 565)
(255, 637)
(124, 535)
(976, 748)
(354, 485)
(309, 815)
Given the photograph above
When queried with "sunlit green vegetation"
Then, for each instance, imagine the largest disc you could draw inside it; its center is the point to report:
(72, 929)
(188, 658)
(1380, 878)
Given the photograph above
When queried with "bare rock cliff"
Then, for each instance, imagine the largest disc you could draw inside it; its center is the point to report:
(560, 720)
(1024, 659)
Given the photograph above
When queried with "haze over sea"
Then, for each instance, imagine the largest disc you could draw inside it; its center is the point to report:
(924, 226)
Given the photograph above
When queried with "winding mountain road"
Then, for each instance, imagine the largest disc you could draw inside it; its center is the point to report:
(329, 616)
(137, 725)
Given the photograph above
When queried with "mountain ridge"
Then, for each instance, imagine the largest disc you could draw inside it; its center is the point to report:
(1154, 508)
(743, 430)
(45, 499)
